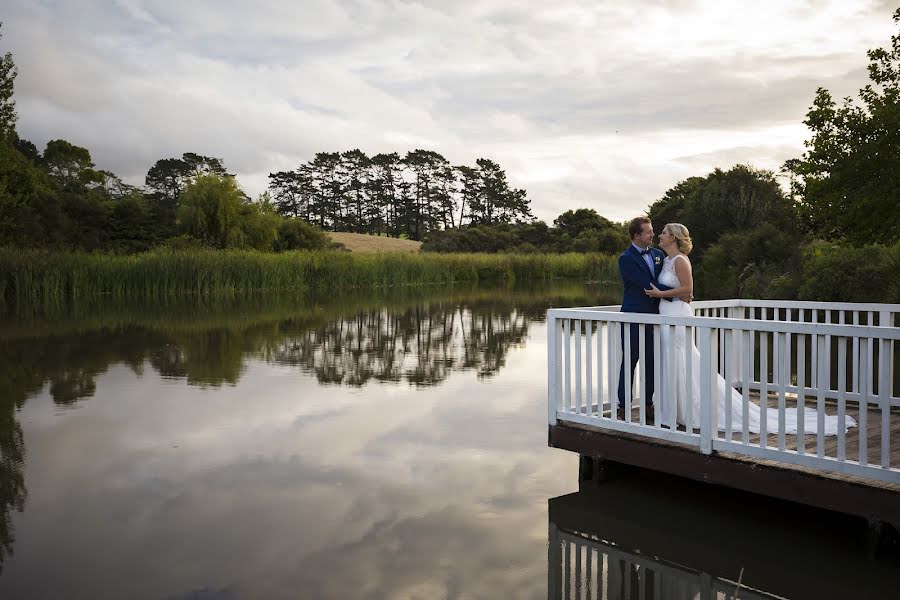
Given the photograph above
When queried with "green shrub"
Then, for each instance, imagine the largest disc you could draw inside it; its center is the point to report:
(838, 273)
(297, 234)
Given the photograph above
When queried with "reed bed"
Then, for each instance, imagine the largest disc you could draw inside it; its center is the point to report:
(189, 314)
(44, 278)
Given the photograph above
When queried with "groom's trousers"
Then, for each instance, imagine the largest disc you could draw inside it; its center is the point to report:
(635, 341)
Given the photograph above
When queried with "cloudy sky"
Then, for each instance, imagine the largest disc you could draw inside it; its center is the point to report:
(597, 103)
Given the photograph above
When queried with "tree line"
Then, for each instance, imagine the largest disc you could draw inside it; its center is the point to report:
(386, 194)
(58, 198)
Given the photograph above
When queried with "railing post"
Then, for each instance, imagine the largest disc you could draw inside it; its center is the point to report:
(706, 396)
(554, 343)
(737, 363)
(886, 319)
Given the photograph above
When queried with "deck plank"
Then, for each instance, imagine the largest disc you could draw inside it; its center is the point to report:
(873, 429)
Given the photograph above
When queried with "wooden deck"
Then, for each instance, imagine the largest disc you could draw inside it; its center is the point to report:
(877, 501)
(831, 443)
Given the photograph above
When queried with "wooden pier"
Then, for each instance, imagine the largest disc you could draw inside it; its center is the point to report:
(834, 359)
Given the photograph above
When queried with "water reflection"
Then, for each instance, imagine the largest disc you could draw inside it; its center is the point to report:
(414, 335)
(417, 337)
(421, 345)
(644, 535)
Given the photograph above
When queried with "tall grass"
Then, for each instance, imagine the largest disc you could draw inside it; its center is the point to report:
(186, 314)
(45, 278)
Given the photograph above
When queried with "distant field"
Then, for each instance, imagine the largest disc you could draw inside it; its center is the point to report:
(361, 242)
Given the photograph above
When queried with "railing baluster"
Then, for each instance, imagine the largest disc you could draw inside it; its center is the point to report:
(885, 401)
(657, 374)
(863, 403)
(714, 366)
(601, 396)
(642, 359)
(727, 371)
(689, 378)
(588, 367)
(763, 387)
(786, 370)
(627, 362)
(612, 367)
(745, 388)
(778, 353)
(671, 394)
(801, 392)
(842, 399)
(720, 345)
(567, 371)
(578, 399)
(707, 394)
(814, 358)
(870, 363)
(855, 371)
(824, 378)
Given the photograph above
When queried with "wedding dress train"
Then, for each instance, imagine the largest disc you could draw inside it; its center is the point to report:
(674, 407)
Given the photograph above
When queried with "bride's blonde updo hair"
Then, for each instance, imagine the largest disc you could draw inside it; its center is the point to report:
(682, 237)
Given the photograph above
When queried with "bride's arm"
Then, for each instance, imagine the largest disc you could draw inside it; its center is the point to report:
(685, 276)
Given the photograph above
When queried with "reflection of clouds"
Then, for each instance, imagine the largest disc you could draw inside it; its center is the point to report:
(280, 487)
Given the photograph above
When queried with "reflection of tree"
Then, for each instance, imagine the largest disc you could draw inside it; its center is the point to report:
(12, 479)
(204, 358)
(421, 344)
(12, 452)
(410, 338)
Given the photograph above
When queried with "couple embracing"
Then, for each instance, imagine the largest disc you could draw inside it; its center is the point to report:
(657, 282)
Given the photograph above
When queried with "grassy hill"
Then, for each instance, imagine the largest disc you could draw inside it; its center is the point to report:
(361, 242)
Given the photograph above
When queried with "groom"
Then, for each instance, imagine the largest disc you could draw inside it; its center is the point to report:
(639, 266)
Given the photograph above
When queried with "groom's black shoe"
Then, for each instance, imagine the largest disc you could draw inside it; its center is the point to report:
(651, 414)
(620, 413)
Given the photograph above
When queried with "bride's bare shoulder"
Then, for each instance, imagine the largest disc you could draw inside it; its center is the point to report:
(684, 256)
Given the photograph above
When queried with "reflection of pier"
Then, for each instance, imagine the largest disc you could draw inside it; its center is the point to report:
(647, 536)
(592, 568)
(819, 358)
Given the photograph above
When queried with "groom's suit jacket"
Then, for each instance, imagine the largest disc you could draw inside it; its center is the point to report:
(637, 277)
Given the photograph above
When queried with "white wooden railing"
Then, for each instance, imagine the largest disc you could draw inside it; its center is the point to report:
(831, 358)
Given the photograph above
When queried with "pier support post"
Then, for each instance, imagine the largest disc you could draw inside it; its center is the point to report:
(594, 470)
(881, 538)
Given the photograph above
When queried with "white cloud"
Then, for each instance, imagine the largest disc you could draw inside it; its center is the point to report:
(583, 103)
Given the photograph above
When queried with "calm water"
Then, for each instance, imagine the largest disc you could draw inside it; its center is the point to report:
(386, 445)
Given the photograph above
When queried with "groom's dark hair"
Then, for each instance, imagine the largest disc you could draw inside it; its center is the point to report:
(637, 225)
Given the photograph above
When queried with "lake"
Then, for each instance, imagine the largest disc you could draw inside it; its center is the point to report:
(381, 444)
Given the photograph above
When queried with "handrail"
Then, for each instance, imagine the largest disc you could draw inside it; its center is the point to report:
(891, 333)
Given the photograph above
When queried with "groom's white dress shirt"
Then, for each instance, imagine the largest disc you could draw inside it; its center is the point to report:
(647, 258)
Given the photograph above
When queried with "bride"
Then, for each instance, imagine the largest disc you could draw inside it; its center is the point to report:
(676, 273)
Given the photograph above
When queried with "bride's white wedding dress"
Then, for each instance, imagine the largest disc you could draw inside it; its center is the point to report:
(675, 409)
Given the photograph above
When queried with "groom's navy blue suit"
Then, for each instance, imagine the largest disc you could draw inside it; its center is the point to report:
(637, 277)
